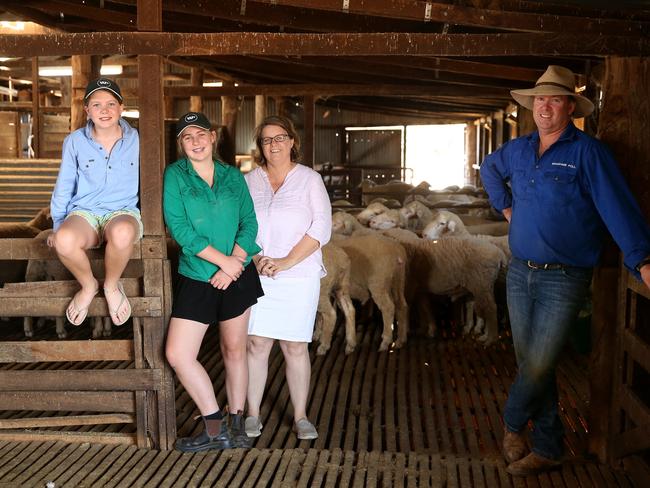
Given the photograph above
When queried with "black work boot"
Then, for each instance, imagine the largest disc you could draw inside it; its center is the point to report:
(238, 432)
(215, 435)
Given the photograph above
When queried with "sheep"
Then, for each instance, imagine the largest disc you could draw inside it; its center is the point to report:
(447, 224)
(393, 188)
(451, 266)
(345, 224)
(370, 211)
(335, 282)
(50, 270)
(378, 270)
(417, 214)
(42, 220)
(22, 230)
(388, 220)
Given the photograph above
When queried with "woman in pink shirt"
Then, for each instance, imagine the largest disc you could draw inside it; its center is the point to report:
(295, 220)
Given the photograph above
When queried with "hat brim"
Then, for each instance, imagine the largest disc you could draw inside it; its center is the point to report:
(192, 125)
(117, 95)
(584, 107)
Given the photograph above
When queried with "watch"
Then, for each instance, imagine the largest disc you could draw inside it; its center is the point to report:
(642, 263)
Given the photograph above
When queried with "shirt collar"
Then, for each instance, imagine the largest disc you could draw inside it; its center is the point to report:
(569, 133)
(186, 165)
(126, 129)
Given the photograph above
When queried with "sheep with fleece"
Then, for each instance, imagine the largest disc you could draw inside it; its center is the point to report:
(335, 284)
(345, 224)
(370, 211)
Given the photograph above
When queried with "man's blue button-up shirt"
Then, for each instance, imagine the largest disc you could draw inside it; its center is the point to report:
(564, 202)
(94, 180)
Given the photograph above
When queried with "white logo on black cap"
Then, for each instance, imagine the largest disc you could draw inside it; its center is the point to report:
(104, 82)
(191, 117)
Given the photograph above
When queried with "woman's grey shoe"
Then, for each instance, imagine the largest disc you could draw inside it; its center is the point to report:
(305, 430)
(253, 426)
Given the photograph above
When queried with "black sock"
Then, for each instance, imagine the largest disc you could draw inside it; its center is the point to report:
(214, 416)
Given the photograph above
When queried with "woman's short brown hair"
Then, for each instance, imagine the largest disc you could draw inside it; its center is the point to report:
(287, 125)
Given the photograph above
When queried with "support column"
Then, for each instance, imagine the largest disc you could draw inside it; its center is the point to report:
(227, 141)
(84, 69)
(623, 126)
(470, 152)
(525, 121)
(196, 102)
(260, 109)
(309, 104)
(36, 111)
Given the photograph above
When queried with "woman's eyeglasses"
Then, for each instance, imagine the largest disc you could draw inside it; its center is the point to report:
(279, 138)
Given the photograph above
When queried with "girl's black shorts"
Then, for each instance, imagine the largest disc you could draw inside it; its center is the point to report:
(201, 302)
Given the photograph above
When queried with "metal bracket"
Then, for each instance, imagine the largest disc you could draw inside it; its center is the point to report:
(427, 12)
(346, 6)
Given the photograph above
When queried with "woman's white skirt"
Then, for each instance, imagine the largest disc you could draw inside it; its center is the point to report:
(287, 310)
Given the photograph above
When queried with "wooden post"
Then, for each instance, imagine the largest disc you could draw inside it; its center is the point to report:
(260, 109)
(227, 141)
(497, 129)
(623, 126)
(309, 125)
(525, 121)
(470, 151)
(36, 110)
(84, 70)
(196, 102)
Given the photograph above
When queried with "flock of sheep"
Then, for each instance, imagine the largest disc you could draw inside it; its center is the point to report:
(399, 256)
(396, 255)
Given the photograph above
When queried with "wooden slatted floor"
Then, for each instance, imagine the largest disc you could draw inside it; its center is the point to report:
(426, 415)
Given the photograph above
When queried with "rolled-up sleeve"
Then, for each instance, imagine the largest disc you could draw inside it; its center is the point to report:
(321, 209)
(66, 183)
(247, 231)
(176, 219)
(495, 173)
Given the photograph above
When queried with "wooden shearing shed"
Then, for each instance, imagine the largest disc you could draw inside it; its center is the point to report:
(88, 410)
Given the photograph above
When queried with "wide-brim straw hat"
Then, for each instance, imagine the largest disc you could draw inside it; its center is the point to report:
(556, 80)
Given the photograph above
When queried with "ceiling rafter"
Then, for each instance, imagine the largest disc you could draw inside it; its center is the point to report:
(454, 14)
(337, 44)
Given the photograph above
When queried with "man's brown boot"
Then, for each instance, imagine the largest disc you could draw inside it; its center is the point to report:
(532, 464)
(514, 445)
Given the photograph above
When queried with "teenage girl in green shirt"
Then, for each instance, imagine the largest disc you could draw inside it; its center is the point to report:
(210, 214)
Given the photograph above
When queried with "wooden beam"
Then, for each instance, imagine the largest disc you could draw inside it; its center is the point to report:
(68, 436)
(84, 69)
(196, 101)
(149, 16)
(69, 401)
(334, 89)
(49, 351)
(55, 307)
(36, 112)
(102, 419)
(80, 380)
(309, 123)
(260, 109)
(336, 44)
(479, 17)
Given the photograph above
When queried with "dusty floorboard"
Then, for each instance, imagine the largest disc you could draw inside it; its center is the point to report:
(427, 415)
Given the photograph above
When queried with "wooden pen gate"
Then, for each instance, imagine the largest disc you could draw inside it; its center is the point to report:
(630, 423)
(139, 391)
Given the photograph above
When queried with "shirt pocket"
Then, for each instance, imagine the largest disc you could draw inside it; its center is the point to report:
(91, 172)
(559, 187)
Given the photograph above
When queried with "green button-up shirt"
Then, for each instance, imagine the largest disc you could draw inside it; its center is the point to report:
(199, 216)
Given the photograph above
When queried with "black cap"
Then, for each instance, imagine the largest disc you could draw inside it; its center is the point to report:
(103, 84)
(192, 119)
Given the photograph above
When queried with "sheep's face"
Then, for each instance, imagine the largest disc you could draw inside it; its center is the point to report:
(370, 211)
(383, 222)
(407, 212)
(339, 221)
(436, 228)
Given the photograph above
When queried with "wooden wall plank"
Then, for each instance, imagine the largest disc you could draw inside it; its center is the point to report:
(68, 401)
(55, 307)
(48, 351)
(80, 380)
(27, 423)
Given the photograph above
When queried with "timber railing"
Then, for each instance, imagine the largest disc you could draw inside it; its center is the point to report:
(141, 394)
(630, 421)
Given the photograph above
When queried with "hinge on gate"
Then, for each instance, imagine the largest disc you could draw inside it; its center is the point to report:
(427, 12)
(346, 6)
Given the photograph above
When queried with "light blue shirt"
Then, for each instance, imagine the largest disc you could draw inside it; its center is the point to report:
(94, 180)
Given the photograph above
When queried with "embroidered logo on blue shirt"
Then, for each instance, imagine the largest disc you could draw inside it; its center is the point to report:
(564, 165)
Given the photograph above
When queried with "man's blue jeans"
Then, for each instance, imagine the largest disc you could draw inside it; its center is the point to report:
(543, 306)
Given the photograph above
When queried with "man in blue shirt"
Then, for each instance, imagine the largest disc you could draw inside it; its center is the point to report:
(561, 190)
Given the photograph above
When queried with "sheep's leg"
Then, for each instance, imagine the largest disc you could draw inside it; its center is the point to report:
(469, 317)
(318, 327)
(427, 317)
(108, 327)
(386, 306)
(97, 327)
(401, 307)
(488, 310)
(60, 328)
(329, 321)
(345, 303)
(28, 326)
